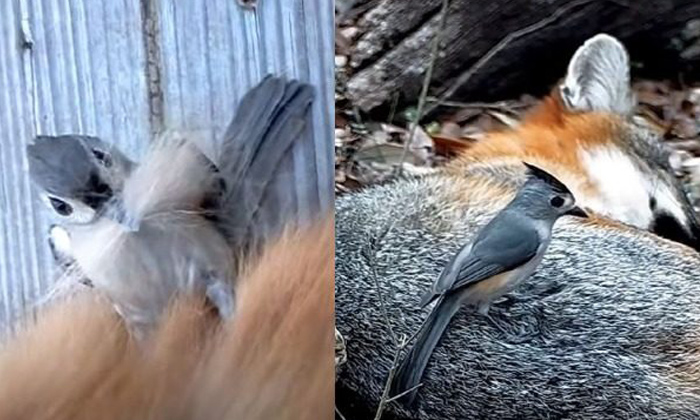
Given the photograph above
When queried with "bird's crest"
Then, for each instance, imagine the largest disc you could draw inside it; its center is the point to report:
(537, 173)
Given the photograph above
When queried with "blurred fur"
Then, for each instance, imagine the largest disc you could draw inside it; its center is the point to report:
(273, 360)
(174, 176)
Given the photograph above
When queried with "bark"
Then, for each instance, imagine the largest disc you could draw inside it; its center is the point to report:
(391, 56)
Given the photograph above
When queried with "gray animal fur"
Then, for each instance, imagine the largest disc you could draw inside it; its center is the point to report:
(603, 330)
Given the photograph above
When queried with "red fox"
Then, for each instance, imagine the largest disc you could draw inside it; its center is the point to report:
(607, 327)
(586, 135)
(274, 359)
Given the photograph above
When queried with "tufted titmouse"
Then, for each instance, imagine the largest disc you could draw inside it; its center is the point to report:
(503, 254)
(175, 222)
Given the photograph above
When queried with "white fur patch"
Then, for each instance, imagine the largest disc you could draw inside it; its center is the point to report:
(624, 190)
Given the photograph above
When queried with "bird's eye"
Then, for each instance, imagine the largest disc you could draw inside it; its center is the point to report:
(61, 207)
(102, 157)
(556, 202)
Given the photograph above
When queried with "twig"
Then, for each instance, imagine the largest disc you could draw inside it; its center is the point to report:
(392, 111)
(342, 417)
(464, 78)
(375, 278)
(387, 386)
(400, 345)
(500, 105)
(426, 82)
(408, 391)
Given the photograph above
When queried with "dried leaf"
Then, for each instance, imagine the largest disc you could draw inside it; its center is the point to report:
(422, 146)
(389, 153)
(450, 146)
(393, 129)
(504, 119)
(450, 130)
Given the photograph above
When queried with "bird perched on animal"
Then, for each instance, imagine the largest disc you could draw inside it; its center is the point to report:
(178, 220)
(612, 289)
(503, 254)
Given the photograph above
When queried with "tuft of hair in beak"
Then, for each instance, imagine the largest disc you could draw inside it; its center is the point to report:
(577, 211)
(131, 225)
(127, 221)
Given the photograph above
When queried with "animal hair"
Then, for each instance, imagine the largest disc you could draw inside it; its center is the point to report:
(174, 176)
(606, 328)
(274, 359)
(598, 77)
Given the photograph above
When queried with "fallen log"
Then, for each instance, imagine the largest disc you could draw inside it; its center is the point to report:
(495, 49)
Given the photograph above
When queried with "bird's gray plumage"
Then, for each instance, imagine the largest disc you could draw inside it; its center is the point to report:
(61, 164)
(506, 242)
(270, 119)
(70, 165)
(503, 254)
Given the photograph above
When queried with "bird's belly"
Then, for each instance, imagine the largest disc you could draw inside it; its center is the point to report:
(494, 287)
(141, 270)
(486, 291)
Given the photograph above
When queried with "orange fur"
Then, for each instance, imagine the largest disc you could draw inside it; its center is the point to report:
(550, 137)
(274, 359)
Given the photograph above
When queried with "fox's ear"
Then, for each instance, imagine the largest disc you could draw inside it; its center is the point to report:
(598, 78)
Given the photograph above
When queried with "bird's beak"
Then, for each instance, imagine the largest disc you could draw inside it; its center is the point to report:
(577, 211)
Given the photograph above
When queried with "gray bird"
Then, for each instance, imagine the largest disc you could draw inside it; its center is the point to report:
(503, 254)
(179, 220)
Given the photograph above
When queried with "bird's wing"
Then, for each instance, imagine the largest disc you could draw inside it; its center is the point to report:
(255, 160)
(499, 248)
(447, 277)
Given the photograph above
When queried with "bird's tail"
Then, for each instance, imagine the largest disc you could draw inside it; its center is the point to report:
(410, 372)
(270, 118)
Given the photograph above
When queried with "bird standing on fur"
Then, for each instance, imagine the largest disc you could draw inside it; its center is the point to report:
(177, 221)
(505, 252)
